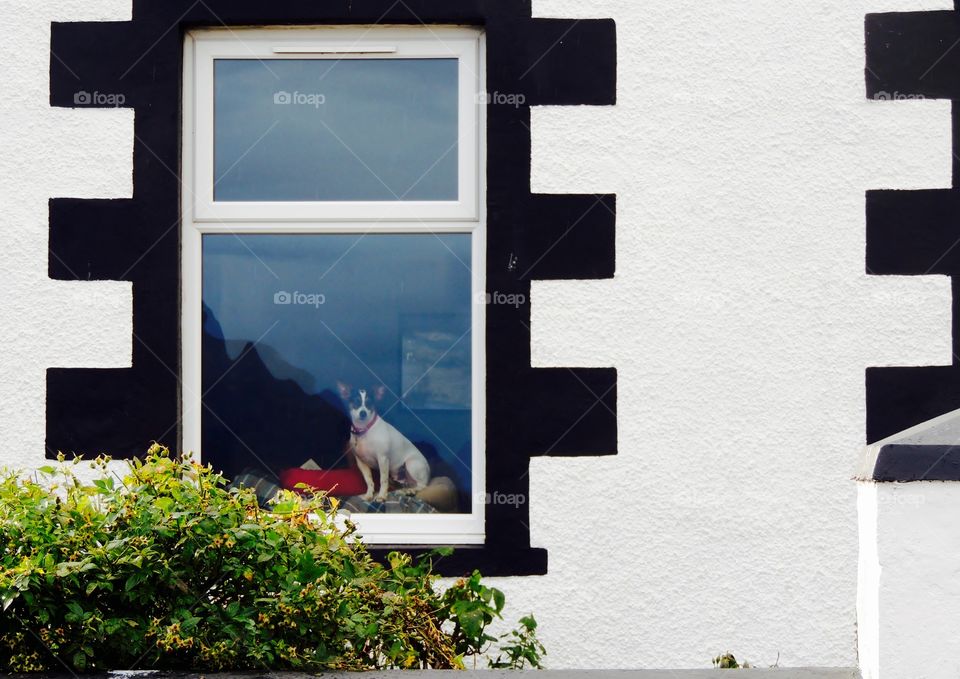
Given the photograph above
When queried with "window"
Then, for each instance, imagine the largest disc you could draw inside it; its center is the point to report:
(333, 259)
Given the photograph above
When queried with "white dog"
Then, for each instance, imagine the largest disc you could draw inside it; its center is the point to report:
(378, 444)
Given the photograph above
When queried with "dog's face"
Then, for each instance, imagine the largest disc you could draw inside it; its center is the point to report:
(360, 403)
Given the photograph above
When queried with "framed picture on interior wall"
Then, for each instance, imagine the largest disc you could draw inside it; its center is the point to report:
(435, 361)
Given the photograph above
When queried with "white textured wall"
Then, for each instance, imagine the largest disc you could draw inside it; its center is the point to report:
(741, 319)
(44, 153)
(741, 322)
(915, 562)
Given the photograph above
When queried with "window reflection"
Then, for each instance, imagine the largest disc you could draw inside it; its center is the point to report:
(290, 321)
(336, 130)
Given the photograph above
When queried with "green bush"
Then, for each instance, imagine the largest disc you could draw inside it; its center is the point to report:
(166, 568)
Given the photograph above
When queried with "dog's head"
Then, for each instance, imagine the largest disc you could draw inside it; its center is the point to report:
(360, 403)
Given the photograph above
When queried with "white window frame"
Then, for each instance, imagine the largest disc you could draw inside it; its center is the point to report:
(201, 216)
(335, 43)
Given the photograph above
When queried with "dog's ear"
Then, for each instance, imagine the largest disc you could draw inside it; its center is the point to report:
(379, 392)
(344, 390)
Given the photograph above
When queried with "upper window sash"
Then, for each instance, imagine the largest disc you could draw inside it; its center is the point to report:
(331, 43)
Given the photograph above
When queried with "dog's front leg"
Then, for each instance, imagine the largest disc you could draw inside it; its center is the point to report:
(367, 476)
(384, 463)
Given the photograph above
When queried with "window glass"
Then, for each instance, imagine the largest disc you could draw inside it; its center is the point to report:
(335, 130)
(290, 321)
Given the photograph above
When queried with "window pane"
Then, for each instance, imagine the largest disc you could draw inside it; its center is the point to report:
(289, 318)
(335, 130)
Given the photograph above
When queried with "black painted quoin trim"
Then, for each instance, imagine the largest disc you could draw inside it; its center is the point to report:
(529, 411)
(910, 55)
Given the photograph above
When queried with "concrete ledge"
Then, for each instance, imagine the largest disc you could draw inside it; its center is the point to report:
(778, 673)
(905, 463)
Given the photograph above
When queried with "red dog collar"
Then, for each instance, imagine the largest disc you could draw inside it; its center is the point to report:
(361, 432)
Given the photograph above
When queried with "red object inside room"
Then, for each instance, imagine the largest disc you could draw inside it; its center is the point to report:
(336, 482)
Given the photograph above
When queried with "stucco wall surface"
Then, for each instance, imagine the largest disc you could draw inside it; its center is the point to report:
(741, 318)
(915, 561)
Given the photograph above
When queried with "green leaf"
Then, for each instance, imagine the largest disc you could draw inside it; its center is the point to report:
(284, 507)
(498, 600)
(133, 581)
